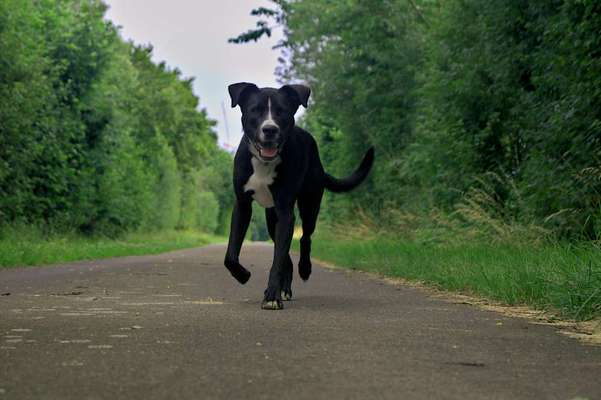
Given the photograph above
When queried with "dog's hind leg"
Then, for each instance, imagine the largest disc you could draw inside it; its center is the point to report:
(240, 220)
(271, 219)
(308, 207)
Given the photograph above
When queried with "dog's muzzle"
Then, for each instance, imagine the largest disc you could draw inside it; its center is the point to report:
(268, 144)
(266, 151)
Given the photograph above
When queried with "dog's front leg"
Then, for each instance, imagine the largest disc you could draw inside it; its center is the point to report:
(283, 236)
(240, 220)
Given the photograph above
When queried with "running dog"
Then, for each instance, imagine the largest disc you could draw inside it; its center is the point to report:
(277, 164)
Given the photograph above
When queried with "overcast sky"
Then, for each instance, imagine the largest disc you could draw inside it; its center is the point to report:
(192, 36)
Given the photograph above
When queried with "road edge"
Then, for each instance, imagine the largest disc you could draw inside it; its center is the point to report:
(586, 332)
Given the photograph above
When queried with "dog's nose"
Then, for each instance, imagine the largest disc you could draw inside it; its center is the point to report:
(270, 131)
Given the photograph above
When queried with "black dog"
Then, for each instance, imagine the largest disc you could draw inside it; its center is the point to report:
(277, 164)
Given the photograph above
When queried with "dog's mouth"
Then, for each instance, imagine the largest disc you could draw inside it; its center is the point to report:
(267, 151)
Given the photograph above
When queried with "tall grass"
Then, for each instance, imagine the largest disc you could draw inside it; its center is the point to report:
(28, 245)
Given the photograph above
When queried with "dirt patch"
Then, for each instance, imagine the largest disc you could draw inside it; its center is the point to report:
(72, 293)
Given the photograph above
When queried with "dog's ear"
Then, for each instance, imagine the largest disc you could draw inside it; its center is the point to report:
(238, 91)
(298, 93)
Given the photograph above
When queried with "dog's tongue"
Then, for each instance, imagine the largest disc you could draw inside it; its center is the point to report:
(269, 152)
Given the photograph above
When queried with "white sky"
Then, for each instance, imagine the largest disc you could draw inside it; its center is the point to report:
(192, 36)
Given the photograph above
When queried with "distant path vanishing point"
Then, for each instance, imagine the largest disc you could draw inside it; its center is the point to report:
(177, 326)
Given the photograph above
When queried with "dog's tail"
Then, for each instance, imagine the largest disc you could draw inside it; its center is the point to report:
(352, 181)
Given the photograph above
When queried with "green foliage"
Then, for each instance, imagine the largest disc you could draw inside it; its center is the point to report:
(262, 26)
(190, 212)
(167, 186)
(208, 212)
(450, 93)
(124, 190)
(258, 226)
(93, 135)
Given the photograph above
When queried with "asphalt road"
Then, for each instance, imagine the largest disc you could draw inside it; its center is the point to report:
(177, 326)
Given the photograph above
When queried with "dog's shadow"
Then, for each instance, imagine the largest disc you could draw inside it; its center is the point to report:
(333, 302)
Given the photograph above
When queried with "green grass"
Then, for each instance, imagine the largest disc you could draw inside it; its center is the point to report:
(557, 277)
(27, 246)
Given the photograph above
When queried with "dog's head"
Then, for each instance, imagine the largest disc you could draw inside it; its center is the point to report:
(268, 115)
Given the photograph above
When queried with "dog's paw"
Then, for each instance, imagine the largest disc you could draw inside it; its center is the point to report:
(241, 274)
(304, 269)
(272, 299)
(272, 305)
(286, 295)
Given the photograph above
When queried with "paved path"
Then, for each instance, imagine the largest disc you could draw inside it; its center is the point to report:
(177, 326)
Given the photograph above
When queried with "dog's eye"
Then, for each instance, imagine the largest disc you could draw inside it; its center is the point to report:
(256, 109)
(278, 110)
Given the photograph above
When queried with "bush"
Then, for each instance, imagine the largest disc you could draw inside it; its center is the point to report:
(94, 136)
(449, 92)
(208, 212)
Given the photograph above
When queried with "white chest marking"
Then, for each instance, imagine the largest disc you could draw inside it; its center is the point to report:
(263, 176)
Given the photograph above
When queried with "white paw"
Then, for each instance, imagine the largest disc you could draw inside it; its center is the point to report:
(272, 305)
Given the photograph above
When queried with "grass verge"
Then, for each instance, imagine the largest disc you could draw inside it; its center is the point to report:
(27, 246)
(562, 278)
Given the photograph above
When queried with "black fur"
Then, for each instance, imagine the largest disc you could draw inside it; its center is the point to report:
(300, 179)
